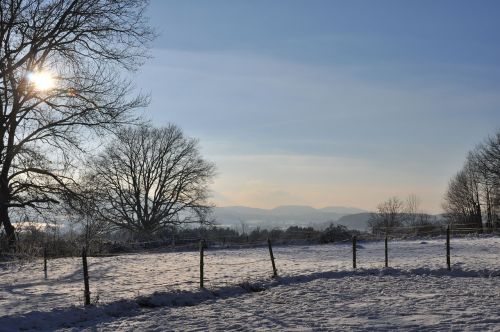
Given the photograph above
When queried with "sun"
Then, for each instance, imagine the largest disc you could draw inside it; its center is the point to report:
(42, 80)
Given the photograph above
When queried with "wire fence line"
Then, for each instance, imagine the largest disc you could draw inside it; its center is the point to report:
(211, 264)
(218, 243)
(292, 235)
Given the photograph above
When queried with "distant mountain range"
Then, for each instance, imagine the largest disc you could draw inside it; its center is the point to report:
(242, 217)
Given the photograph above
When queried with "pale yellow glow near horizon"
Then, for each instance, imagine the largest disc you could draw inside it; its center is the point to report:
(355, 197)
(268, 181)
(42, 80)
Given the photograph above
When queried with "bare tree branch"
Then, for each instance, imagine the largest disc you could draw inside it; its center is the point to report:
(147, 179)
(85, 45)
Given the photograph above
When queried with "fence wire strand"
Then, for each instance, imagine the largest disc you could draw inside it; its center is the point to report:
(215, 257)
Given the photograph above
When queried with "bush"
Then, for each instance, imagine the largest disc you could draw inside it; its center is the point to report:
(335, 233)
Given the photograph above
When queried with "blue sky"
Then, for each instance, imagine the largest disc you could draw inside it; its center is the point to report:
(327, 102)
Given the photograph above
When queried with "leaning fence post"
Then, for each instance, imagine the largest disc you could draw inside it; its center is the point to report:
(86, 292)
(448, 261)
(202, 253)
(45, 261)
(275, 272)
(386, 252)
(354, 252)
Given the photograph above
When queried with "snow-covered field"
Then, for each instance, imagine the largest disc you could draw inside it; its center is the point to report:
(317, 289)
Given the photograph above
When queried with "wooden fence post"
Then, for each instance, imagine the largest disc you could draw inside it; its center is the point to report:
(386, 253)
(202, 253)
(448, 261)
(354, 252)
(45, 261)
(86, 292)
(275, 272)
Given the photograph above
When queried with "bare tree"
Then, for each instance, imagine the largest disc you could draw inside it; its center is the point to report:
(462, 199)
(148, 179)
(390, 215)
(488, 165)
(412, 209)
(489, 154)
(243, 226)
(417, 220)
(80, 210)
(487, 187)
(59, 82)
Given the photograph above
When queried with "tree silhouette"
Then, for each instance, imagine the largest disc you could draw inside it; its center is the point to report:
(148, 179)
(60, 83)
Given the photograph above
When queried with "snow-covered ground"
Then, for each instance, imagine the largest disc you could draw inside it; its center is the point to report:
(317, 289)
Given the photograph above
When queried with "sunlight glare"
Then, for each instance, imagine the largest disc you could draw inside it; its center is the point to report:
(42, 80)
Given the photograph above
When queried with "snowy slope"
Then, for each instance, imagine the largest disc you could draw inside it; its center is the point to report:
(317, 289)
(370, 303)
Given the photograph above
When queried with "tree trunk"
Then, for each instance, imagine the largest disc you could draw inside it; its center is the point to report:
(4, 209)
(479, 218)
(9, 229)
(489, 220)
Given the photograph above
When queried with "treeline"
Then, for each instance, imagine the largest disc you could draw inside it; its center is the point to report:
(333, 233)
(33, 241)
(473, 196)
(398, 217)
(225, 235)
